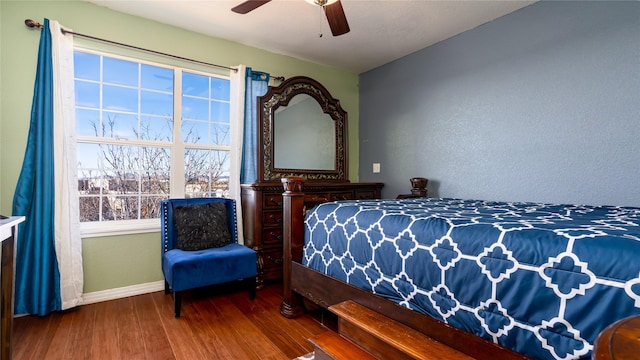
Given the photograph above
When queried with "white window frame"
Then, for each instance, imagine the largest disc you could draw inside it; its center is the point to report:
(177, 146)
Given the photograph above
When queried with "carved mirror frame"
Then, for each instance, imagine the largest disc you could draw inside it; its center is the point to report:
(280, 96)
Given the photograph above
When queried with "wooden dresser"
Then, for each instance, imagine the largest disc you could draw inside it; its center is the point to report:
(298, 154)
(262, 216)
(8, 237)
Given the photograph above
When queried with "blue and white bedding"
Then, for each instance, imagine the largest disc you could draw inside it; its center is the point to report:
(540, 279)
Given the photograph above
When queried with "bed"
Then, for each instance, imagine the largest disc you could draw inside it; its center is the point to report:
(492, 279)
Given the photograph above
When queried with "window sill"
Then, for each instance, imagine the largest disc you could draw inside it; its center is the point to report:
(115, 228)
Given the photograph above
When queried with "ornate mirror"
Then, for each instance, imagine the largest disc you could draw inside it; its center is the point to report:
(303, 132)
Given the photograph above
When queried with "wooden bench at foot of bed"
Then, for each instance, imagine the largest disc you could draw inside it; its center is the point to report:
(367, 335)
(385, 338)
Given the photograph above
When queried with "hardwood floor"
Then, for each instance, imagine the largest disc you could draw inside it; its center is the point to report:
(215, 324)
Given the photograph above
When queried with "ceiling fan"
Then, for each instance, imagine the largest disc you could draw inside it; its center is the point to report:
(332, 8)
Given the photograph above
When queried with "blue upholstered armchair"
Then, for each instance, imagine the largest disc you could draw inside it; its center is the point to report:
(200, 246)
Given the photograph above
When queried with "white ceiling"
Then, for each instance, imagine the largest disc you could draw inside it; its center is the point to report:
(381, 30)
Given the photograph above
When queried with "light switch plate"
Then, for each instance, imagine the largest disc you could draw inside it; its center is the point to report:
(376, 168)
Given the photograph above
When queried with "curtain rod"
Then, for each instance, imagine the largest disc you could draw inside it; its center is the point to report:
(31, 23)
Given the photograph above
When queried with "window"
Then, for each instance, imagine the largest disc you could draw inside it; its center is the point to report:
(146, 132)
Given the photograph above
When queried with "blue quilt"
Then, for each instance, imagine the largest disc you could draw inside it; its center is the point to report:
(540, 279)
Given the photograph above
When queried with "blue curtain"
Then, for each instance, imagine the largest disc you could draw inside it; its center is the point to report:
(37, 286)
(256, 84)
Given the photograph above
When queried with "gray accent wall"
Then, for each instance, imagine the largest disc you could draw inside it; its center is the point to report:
(539, 105)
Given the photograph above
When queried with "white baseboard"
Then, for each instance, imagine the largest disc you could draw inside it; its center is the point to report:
(118, 293)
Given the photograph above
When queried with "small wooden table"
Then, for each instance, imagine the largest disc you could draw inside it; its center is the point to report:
(619, 341)
(8, 234)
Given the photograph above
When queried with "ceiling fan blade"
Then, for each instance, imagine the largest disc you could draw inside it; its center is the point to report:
(247, 6)
(337, 19)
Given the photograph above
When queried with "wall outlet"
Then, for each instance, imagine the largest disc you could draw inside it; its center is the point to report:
(376, 168)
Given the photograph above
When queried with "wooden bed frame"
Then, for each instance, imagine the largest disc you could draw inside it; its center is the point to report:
(619, 340)
(300, 281)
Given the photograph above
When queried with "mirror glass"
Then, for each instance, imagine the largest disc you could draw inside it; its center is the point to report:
(304, 136)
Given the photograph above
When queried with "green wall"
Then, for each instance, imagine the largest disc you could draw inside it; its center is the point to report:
(117, 261)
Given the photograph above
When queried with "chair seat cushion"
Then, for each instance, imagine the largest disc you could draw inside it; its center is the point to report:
(192, 269)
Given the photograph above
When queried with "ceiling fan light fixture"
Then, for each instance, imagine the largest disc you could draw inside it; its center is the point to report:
(321, 2)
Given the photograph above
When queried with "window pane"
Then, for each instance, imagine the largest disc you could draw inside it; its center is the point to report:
(193, 108)
(123, 182)
(155, 103)
(120, 157)
(155, 159)
(120, 125)
(220, 89)
(155, 183)
(122, 72)
(156, 78)
(86, 66)
(220, 134)
(220, 112)
(206, 173)
(88, 123)
(220, 165)
(195, 85)
(107, 211)
(156, 128)
(90, 182)
(119, 98)
(88, 157)
(124, 207)
(150, 206)
(89, 208)
(195, 132)
(87, 94)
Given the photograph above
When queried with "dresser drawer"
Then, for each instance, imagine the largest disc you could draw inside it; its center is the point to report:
(272, 201)
(365, 194)
(272, 264)
(272, 218)
(346, 195)
(272, 237)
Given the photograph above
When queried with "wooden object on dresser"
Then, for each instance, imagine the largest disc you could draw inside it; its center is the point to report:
(418, 188)
(263, 222)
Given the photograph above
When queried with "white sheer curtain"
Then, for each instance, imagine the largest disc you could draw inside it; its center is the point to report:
(68, 243)
(237, 135)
